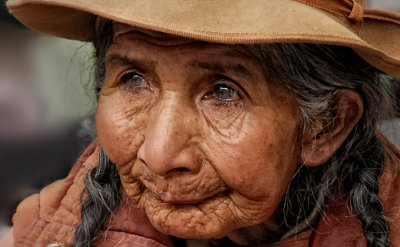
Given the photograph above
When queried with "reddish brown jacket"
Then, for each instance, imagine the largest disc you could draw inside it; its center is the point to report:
(52, 215)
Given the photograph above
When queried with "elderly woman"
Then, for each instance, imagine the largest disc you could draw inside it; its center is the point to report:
(226, 123)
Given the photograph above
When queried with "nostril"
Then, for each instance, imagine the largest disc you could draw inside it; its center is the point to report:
(164, 162)
(182, 169)
(178, 170)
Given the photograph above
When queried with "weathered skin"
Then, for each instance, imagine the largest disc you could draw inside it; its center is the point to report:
(200, 160)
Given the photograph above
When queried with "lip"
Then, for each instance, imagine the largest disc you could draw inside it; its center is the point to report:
(167, 197)
(170, 198)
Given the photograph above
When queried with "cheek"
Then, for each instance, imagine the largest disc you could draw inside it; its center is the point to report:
(260, 161)
(224, 118)
(119, 127)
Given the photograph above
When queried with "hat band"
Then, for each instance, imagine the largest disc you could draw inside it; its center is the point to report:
(350, 9)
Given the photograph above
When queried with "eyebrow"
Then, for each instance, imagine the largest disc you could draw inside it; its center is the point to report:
(235, 68)
(216, 67)
(123, 60)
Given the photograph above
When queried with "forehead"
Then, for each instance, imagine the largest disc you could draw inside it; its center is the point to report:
(123, 33)
(121, 30)
(142, 46)
(131, 42)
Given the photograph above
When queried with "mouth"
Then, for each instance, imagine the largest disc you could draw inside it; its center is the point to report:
(186, 201)
(186, 218)
(174, 200)
(179, 199)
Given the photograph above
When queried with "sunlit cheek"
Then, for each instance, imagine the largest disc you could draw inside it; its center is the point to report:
(259, 162)
(120, 123)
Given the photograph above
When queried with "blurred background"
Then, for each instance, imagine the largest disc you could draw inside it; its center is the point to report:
(47, 103)
(46, 106)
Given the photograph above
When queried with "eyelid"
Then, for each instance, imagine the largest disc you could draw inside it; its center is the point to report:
(148, 82)
(129, 71)
(232, 83)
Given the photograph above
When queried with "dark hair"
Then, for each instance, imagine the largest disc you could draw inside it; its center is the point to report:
(314, 73)
(396, 92)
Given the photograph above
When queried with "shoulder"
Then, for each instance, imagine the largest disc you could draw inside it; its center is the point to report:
(338, 223)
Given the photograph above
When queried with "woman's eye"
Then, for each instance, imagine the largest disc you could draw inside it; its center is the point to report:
(133, 80)
(224, 93)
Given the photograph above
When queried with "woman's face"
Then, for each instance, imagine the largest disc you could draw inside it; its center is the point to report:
(203, 141)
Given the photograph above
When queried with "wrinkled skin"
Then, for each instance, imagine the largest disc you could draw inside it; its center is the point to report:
(203, 142)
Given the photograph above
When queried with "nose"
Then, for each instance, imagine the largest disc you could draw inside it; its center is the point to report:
(168, 146)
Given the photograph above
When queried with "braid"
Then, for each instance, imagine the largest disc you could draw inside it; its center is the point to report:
(103, 196)
(362, 171)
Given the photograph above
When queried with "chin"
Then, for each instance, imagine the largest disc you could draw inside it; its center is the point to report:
(189, 234)
(208, 231)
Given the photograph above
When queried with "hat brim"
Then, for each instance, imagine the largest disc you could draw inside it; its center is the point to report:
(223, 21)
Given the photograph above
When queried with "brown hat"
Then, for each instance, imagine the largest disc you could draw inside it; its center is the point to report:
(373, 34)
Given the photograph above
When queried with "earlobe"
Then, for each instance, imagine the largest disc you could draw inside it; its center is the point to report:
(326, 136)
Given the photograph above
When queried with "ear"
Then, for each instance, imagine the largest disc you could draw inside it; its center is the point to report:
(322, 141)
